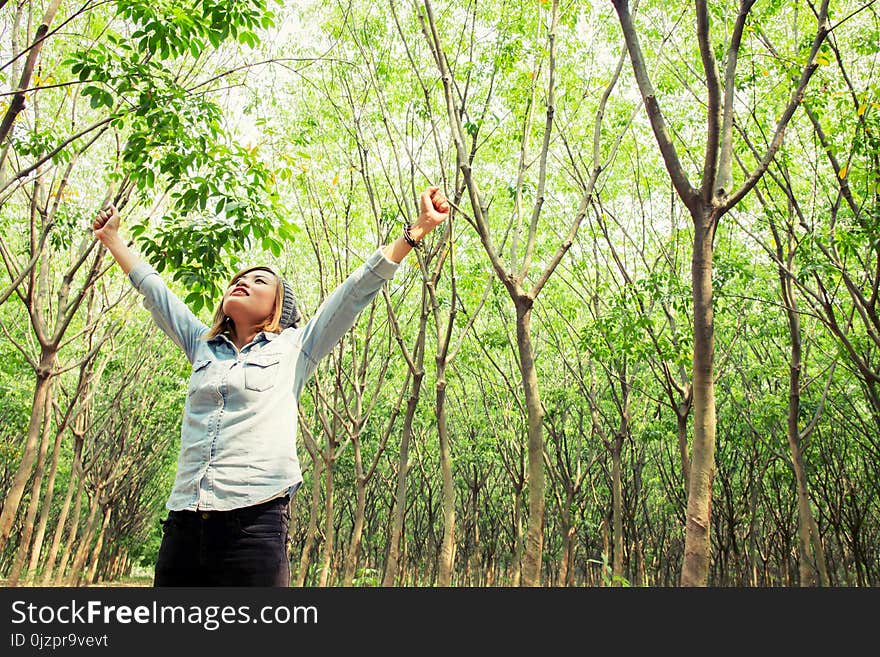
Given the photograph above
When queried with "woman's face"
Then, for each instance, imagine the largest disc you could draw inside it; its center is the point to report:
(250, 298)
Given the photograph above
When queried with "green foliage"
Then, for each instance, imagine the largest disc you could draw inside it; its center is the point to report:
(313, 160)
(174, 28)
(234, 210)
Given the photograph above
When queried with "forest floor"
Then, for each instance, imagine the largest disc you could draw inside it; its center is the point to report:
(137, 581)
(129, 582)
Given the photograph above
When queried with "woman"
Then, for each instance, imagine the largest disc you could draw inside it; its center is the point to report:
(228, 513)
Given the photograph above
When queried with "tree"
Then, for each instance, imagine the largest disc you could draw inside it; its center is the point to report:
(513, 274)
(707, 203)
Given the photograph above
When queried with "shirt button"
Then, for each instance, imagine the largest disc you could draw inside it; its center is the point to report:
(205, 516)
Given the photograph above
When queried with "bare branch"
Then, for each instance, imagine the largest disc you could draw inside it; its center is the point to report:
(796, 98)
(679, 178)
(713, 112)
(724, 180)
(545, 146)
(17, 103)
(464, 164)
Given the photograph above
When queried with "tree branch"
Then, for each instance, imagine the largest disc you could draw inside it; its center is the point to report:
(796, 98)
(713, 110)
(682, 185)
(17, 103)
(724, 181)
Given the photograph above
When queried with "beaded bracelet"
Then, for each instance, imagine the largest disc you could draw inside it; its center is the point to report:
(408, 238)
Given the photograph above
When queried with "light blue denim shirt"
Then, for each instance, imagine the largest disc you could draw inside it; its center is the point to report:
(238, 437)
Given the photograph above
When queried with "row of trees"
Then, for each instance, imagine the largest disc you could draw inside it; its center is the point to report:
(589, 378)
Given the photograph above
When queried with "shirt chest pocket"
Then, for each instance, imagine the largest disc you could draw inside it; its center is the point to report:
(201, 372)
(261, 371)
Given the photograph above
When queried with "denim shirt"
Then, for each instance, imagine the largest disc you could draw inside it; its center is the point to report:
(238, 436)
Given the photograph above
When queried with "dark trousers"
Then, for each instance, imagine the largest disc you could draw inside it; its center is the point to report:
(242, 547)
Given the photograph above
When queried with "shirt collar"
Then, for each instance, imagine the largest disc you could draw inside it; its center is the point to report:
(265, 335)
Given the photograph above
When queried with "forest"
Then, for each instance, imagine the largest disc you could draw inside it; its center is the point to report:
(644, 350)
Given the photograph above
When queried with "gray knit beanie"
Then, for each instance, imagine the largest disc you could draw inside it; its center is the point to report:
(290, 315)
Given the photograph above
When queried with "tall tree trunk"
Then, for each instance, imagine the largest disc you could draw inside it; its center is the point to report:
(754, 550)
(69, 546)
(74, 577)
(616, 513)
(447, 547)
(513, 280)
(813, 571)
(535, 537)
(695, 568)
(392, 562)
(566, 570)
(46, 506)
(476, 554)
(27, 530)
(312, 530)
(707, 204)
(29, 454)
(96, 551)
(62, 517)
(329, 529)
(357, 531)
(518, 542)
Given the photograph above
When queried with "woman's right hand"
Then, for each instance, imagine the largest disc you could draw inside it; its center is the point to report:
(106, 224)
(106, 229)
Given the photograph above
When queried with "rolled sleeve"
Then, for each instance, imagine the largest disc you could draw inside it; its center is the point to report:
(338, 312)
(139, 272)
(169, 313)
(381, 265)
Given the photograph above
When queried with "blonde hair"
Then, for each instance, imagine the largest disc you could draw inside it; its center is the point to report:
(223, 324)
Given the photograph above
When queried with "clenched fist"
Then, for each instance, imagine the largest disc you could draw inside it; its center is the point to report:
(106, 224)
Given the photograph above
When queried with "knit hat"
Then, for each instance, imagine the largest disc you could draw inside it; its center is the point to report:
(290, 315)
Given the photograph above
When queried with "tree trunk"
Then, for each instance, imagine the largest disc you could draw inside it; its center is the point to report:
(695, 567)
(447, 547)
(617, 482)
(392, 563)
(72, 534)
(96, 551)
(516, 566)
(312, 531)
(357, 532)
(27, 529)
(535, 538)
(75, 575)
(474, 570)
(62, 521)
(606, 550)
(566, 571)
(813, 571)
(47, 505)
(329, 529)
(29, 454)
(753, 534)
(616, 514)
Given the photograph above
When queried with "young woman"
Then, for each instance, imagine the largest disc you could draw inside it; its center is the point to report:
(228, 516)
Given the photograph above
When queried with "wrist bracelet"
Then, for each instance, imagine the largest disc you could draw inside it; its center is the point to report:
(408, 238)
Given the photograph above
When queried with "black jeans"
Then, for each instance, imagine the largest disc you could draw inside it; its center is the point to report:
(242, 547)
